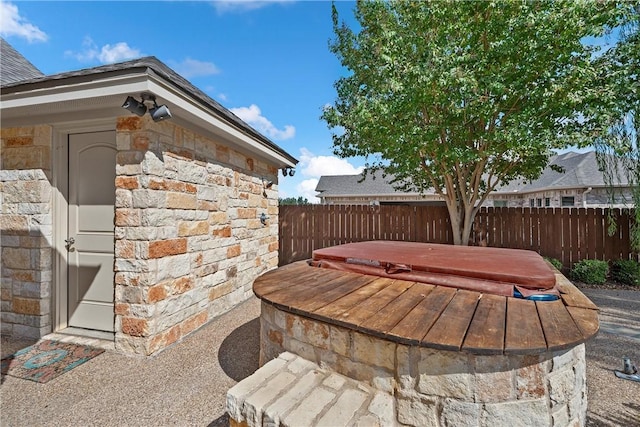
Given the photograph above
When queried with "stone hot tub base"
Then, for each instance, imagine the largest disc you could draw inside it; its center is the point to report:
(446, 356)
(432, 387)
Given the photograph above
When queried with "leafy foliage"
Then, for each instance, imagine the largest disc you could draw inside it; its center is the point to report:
(555, 262)
(293, 201)
(590, 271)
(619, 149)
(461, 97)
(626, 271)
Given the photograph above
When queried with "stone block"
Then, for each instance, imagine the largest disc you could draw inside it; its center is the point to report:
(521, 413)
(18, 258)
(181, 200)
(417, 410)
(307, 411)
(334, 381)
(10, 223)
(288, 400)
(127, 182)
(163, 248)
(560, 416)
(383, 406)
(531, 378)
(194, 228)
(28, 306)
(446, 374)
(135, 327)
(127, 217)
(494, 380)
(255, 404)
(455, 413)
(237, 395)
(373, 351)
(343, 409)
(561, 386)
(234, 251)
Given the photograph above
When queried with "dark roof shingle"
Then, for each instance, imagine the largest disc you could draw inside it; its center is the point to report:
(13, 66)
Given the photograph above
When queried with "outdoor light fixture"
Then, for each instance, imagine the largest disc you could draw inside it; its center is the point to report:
(263, 218)
(290, 171)
(157, 113)
(136, 107)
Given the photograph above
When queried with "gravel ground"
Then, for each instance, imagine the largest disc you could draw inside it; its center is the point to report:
(613, 401)
(187, 383)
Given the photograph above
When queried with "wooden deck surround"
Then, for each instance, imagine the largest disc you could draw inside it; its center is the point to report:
(440, 317)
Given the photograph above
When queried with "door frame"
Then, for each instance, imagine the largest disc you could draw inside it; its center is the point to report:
(60, 186)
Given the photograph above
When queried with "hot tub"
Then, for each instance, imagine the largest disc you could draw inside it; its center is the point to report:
(449, 355)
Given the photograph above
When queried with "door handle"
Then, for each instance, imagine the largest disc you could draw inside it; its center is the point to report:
(69, 244)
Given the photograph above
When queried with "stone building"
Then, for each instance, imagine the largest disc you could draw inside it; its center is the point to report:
(128, 226)
(571, 180)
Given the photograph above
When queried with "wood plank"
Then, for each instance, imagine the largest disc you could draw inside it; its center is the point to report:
(298, 277)
(283, 277)
(397, 309)
(362, 312)
(313, 290)
(328, 294)
(487, 329)
(417, 323)
(449, 330)
(571, 296)
(354, 298)
(586, 319)
(523, 333)
(560, 331)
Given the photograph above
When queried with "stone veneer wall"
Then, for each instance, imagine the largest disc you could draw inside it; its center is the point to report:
(438, 387)
(189, 241)
(26, 231)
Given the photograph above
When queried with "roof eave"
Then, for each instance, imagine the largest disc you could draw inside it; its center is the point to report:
(113, 85)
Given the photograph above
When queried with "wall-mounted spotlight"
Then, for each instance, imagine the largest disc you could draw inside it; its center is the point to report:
(135, 106)
(289, 171)
(263, 218)
(157, 113)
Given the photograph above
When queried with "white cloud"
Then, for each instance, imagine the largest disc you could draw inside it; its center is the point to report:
(12, 24)
(316, 166)
(193, 68)
(107, 54)
(223, 6)
(253, 116)
(307, 189)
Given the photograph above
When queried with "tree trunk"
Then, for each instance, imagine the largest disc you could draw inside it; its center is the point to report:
(461, 221)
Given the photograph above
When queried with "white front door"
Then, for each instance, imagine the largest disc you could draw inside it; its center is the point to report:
(90, 240)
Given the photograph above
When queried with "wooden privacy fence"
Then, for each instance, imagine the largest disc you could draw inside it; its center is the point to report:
(568, 234)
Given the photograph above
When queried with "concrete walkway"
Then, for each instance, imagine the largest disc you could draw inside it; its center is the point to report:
(187, 384)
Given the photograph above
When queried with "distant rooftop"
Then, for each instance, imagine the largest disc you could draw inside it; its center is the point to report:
(580, 170)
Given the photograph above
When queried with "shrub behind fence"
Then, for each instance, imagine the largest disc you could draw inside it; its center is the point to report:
(567, 234)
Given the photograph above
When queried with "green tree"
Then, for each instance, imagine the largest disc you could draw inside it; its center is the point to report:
(462, 96)
(294, 201)
(618, 151)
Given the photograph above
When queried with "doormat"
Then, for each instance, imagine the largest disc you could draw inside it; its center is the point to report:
(46, 360)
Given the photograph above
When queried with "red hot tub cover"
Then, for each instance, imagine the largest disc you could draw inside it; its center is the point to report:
(491, 270)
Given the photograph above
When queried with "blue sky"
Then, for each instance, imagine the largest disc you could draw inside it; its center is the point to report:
(267, 61)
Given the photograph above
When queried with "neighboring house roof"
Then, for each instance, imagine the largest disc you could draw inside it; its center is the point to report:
(580, 171)
(124, 78)
(342, 185)
(13, 66)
